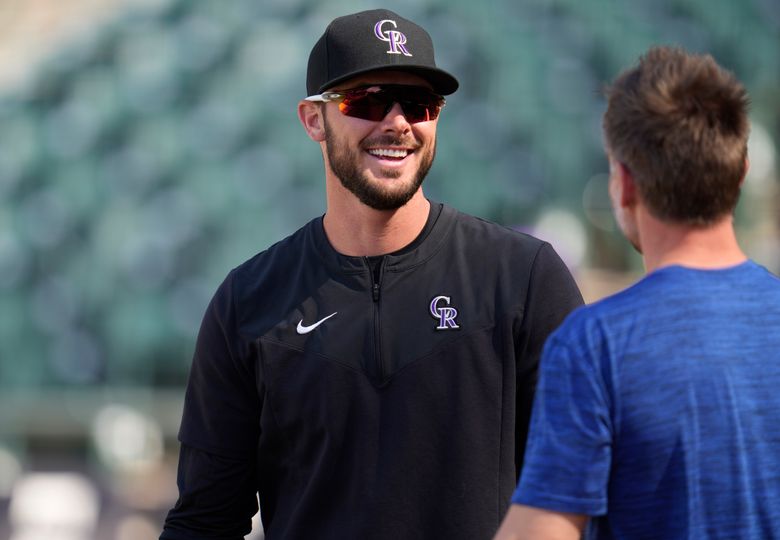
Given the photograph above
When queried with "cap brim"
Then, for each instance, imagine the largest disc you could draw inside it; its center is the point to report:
(442, 82)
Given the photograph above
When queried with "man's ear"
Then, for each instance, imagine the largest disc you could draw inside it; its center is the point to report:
(310, 115)
(744, 175)
(628, 190)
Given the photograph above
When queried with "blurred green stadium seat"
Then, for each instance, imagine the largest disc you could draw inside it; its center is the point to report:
(152, 155)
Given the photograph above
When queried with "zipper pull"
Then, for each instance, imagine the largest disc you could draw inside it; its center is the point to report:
(375, 292)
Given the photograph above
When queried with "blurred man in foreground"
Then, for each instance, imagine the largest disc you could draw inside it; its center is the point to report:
(658, 408)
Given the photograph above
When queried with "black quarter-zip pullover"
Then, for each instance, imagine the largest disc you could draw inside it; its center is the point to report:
(370, 405)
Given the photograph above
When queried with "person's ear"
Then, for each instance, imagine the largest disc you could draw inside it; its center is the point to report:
(744, 174)
(310, 115)
(628, 190)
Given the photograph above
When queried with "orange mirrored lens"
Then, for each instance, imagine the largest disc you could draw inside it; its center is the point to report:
(374, 102)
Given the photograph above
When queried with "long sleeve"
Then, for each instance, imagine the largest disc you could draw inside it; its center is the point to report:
(552, 295)
(217, 476)
(216, 497)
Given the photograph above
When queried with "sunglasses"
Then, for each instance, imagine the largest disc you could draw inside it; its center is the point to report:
(374, 102)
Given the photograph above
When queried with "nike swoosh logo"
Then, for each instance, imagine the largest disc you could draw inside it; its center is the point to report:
(306, 329)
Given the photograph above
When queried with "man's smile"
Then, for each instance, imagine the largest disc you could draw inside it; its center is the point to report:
(392, 154)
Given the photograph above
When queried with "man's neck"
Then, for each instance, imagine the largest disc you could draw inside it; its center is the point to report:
(665, 244)
(357, 230)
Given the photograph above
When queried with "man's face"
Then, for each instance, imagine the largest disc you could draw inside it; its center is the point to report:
(383, 163)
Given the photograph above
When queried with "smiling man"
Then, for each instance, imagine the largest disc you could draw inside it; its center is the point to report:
(371, 375)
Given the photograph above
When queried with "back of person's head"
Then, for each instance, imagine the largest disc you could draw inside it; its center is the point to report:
(678, 122)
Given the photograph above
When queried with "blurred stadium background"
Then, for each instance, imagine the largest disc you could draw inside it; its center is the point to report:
(149, 146)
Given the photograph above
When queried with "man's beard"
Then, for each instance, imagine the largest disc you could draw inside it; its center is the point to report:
(344, 161)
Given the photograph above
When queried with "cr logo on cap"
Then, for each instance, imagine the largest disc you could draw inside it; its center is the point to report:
(396, 38)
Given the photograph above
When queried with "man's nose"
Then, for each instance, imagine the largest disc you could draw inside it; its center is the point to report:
(395, 119)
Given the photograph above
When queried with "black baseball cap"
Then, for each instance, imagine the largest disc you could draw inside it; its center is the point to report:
(372, 40)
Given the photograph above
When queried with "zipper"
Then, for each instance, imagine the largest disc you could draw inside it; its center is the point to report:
(376, 288)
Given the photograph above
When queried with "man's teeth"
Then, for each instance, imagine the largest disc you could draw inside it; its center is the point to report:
(388, 152)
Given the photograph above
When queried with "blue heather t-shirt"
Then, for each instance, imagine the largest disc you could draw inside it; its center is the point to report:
(658, 410)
